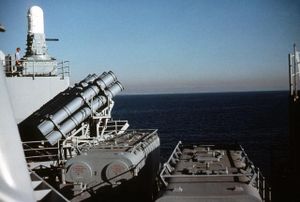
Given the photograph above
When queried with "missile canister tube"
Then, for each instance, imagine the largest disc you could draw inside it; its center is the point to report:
(75, 120)
(90, 78)
(48, 125)
(114, 89)
(103, 82)
(80, 116)
(83, 114)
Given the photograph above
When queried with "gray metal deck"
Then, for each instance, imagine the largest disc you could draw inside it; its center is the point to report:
(211, 173)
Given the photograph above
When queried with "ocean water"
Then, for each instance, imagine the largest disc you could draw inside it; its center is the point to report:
(256, 120)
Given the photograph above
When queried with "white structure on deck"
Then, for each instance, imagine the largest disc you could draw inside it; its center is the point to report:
(40, 77)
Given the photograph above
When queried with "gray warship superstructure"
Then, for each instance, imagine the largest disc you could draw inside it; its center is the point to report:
(40, 76)
(75, 150)
(84, 149)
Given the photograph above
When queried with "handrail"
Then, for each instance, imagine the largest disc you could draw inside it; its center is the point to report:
(30, 68)
(64, 68)
(33, 151)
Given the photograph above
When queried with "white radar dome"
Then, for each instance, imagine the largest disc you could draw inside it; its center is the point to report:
(35, 20)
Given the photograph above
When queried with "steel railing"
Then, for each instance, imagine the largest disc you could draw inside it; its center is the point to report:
(40, 151)
(63, 68)
(31, 68)
(254, 175)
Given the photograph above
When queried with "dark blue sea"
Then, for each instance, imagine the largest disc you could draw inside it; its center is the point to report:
(256, 120)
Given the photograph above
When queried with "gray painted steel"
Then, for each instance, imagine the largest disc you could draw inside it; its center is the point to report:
(198, 173)
(88, 79)
(110, 163)
(104, 80)
(74, 120)
(35, 81)
(13, 169)
(114, 89)
(120, 155)
(28, 94)
(211, 173)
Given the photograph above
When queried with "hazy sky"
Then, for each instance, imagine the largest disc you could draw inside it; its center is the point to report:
(167, 46)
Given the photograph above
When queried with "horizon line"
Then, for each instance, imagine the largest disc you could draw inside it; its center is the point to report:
(203, 92)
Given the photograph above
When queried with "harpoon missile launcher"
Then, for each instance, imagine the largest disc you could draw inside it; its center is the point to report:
(85, 147)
